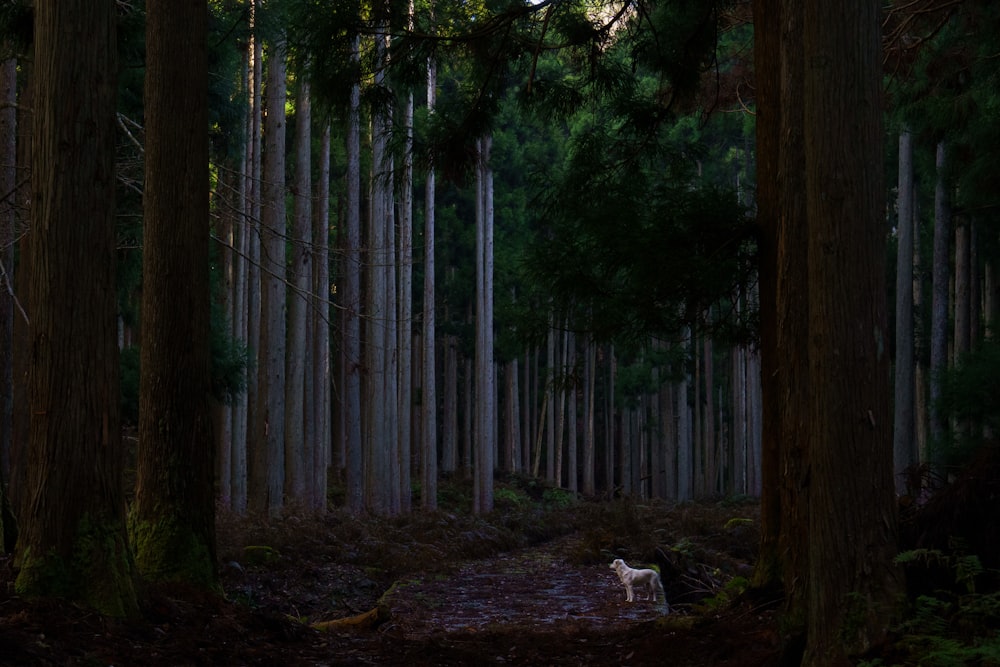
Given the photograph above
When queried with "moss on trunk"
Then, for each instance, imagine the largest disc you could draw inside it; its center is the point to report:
(98, 571)
(169, 549)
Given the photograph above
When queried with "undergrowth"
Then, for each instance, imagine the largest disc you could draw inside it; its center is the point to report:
(953, 625)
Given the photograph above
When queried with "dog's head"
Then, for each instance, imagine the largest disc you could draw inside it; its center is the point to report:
(617, 564)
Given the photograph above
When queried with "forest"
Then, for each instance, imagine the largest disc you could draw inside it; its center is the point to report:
(353, 332)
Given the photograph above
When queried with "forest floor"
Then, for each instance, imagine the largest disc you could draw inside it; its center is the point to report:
(529, 584)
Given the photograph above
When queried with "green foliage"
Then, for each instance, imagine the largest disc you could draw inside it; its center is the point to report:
(730, 592)
(560, 498)
(16, 26)
(944, 629)
(971, 396)
(966, 566)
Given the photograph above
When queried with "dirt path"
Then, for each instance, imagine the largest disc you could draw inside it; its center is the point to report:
(532, 607)
(534, 589)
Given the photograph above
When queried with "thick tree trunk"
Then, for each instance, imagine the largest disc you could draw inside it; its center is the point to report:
(941, 277)
(173, 519)
(853, 583)
(72, 540)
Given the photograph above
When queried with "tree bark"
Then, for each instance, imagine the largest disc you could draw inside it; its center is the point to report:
(853, 582)
(253, 234)
(904, 421)
(8, 218)
(486, 405)
(322, 435)
(73, 542)
(429, 419)
(941, 277)
(268, 462)
(173, 520)
(351, 314)
(298, 454)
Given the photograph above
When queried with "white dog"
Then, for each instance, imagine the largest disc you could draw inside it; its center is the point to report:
(639, 580)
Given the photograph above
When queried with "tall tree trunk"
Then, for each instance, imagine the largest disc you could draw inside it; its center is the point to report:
(255, 166)
(963, 289)
(449, 409)
(853, 583)
(572, 445)
(711, 445)
(268, 461)
(784, 280)
(321, 448)
(405, 330)
(609, 426)
(941, 271)
(351, 313)
(429, 419)
(172, 523)
(297, 454)
(20, 419)
(551, 392)
(768, 73)
(8, 218)
(561, 378)
(468, 417)
(238, 323)
(486, 406)
(904, 442)
(685, 438)
(590, 389)
(72, 541)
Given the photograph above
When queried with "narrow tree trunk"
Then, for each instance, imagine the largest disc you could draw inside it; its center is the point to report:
(253, 473)
(238, 445)
(550, 415)
(429, 418)
(298, 451)
(941, 272)
(351, 313)
(711, 444)
(268, 476)
(485, 374)
(405, 330)
(449, 410)
(904, 444)
(963, 290)
(321, 328)
(590, 384)
(8, 217)
(685, 441)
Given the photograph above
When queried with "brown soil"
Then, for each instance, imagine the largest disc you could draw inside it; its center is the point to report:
(520, 589)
